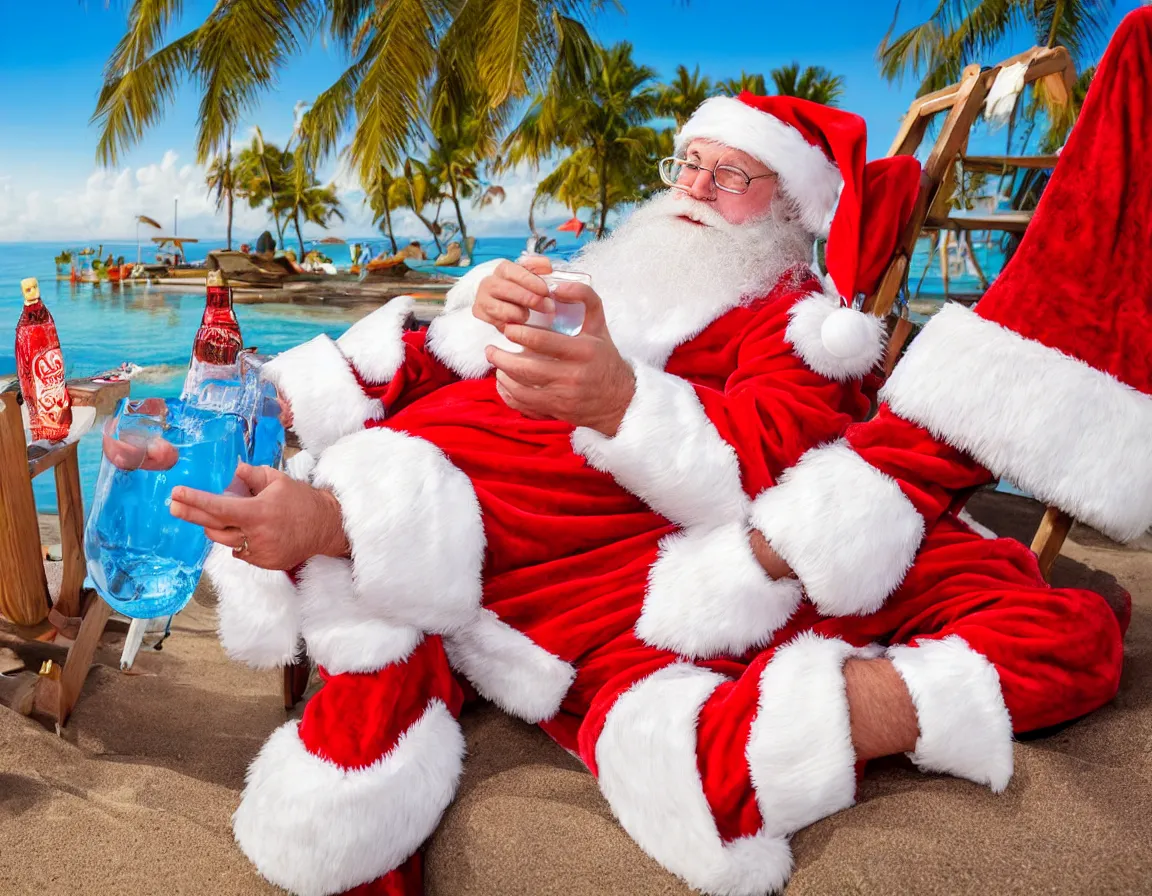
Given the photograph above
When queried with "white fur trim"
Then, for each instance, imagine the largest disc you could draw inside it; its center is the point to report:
(1062, 430)
(965, 729)
(340, 629)
(805, 334)
(845, 528)
(458, 338)
(508, 668)
(708, 596)
(300, 466)
(374, 344)
(669, 454)
(646, 758)
(316, 829)
(800, 749)
(414, 525)
(806, 174)
(259, 611)
(327, 401)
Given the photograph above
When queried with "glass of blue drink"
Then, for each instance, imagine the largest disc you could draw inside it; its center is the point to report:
(142, 560)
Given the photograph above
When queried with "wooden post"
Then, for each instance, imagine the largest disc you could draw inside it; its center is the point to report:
(70, 504)
(23, 587)
(1049, 538)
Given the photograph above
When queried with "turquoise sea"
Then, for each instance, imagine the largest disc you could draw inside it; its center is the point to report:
(102, 326)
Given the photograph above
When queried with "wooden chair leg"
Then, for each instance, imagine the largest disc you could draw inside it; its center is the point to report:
(1049, 538)
(56, 698)
(296, 678)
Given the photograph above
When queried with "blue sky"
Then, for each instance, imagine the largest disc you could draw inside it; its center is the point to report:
(54, 51)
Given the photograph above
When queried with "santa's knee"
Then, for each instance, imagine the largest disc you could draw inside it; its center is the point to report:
(348, 794)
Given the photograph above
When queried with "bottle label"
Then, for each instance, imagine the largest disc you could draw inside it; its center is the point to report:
(48, 383)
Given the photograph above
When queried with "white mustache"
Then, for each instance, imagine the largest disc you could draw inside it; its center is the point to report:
(677, 204)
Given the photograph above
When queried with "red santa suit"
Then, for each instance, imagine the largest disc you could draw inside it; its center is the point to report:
(604, 587)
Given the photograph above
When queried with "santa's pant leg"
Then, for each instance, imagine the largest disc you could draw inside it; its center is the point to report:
(987, 648)
(342, 800)
(711, 766)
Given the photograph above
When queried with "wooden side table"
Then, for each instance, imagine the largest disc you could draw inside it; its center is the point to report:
(25, 606)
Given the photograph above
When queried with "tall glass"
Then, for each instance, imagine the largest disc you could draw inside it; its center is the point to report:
(142, 560)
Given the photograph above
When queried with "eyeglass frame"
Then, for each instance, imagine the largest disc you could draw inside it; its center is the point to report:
(712, 171)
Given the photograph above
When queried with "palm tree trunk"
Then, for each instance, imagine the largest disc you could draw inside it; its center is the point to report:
(388, 226)
(603, 200)
(431, 230)
(230, 199)
(299, 236)
(459, 214)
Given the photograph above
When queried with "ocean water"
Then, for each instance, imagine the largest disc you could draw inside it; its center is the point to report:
(102, 326)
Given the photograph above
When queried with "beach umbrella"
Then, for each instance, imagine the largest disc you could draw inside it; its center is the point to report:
(151, 222)
(573, 225)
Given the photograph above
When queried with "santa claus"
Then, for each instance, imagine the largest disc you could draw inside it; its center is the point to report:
(566, 523)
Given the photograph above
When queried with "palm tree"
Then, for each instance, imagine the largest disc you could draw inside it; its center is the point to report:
(746, 82)
(684, 94)
(599, 115)
(384, 194)
(461, 145)
(260, 174)
(220, 179)
(420, 188)
(964, 31)
(406, 57)
(814, 83)
(303, 197)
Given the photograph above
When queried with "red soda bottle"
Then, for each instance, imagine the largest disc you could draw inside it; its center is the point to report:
(216, 350)
(40, 367)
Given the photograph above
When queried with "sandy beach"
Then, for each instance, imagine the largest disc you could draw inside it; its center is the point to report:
(135, 797)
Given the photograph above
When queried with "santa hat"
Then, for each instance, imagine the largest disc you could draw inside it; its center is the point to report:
(819, 154)
(1048, 382)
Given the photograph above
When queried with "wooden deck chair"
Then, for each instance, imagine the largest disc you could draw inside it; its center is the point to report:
(24, 600)
(946, 161)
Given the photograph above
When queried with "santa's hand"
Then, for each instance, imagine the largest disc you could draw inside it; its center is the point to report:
(282, 524)
(507, 294)
(582, 380)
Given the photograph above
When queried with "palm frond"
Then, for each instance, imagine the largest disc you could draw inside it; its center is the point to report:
(135, 98)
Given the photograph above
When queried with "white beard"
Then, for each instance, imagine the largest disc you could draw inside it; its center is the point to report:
(663, 280)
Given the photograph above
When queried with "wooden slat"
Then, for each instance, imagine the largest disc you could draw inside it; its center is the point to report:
(23, 587)
(1049, 538)
(70, 505)
(102, 396)
(1009, 222)
(996, 164)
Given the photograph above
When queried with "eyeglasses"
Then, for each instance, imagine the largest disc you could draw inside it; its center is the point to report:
(680, 173)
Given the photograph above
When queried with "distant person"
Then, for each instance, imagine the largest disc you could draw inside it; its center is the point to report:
(265, 245)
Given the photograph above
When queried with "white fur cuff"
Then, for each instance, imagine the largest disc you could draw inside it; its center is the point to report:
(509, 668)
(648, 772)
(708, 596)
(965, 729)
(844, 527)
(414, 524)
(669, 454)
(259, 611)
(315, 828)
(342, 633)
(800, 749)
(326, 398)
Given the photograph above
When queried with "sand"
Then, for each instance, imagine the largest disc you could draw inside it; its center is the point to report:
(135, 798)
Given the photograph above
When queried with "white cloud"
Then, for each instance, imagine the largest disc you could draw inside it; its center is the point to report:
(105, 205)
